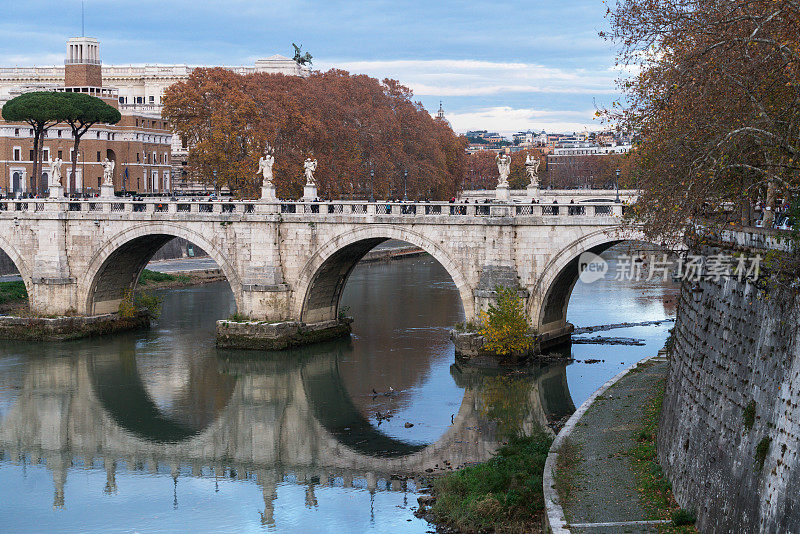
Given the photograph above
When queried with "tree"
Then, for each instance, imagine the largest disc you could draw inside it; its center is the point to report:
(715, 102)
(505, 324)
(41, 110)
(365, 134)
(81, 113)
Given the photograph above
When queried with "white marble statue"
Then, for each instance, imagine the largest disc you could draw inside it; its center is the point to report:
(310, 165)
(504, 168)
(532, 168)
(55, 171)
(108, 172)
(265, 164)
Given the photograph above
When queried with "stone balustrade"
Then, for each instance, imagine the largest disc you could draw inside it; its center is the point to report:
(213, 208)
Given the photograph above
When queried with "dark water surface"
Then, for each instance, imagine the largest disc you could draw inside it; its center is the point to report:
(157, 431)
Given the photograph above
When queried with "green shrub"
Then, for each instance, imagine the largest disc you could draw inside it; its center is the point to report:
(12, 291)
(762, 449)
(148, 276)
(683, 517)
(132, 303)
(505, 324)
(499, 494)
(749, 415)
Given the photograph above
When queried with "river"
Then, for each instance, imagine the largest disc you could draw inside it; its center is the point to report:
(158, 431)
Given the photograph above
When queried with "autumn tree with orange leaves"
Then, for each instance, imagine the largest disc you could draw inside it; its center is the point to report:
(369, 137)
(715, 102)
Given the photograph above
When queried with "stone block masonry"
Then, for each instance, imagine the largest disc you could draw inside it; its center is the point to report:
(290, 261)
(254, 335)
(730, 427)
(66, 328)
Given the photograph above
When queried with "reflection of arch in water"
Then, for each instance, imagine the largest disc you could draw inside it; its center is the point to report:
(335, 411)
(120, 390)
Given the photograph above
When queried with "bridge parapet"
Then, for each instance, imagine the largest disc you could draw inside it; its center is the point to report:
(216, 208)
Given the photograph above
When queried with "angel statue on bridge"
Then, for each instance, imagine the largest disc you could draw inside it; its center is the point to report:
(108, 172)
(504, 168)
(532, 168)
(265, 164)
(55, 169)
(310, 165)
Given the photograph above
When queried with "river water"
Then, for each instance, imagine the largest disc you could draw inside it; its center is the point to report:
(157, 431)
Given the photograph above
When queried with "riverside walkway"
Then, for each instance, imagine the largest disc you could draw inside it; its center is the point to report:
(604, 496)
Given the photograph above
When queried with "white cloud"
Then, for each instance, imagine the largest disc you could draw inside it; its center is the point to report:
(23, 60)
(445, 77)
(507, 120)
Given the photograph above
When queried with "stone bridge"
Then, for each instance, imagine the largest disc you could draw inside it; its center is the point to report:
(289, 261)
(279, 419)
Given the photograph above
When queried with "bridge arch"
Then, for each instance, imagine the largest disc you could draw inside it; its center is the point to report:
(116, 266)
(547, 306)
(324, 276)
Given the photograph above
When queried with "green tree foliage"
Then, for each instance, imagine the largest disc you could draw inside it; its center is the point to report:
(83, 111)
(505, 324)
(41, 110)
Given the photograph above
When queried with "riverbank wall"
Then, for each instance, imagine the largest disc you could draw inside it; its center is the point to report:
(729, 431)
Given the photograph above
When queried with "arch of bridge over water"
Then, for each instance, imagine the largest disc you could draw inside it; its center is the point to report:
(289, 261)
(282, 420)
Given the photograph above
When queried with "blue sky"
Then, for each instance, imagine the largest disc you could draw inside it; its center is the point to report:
(503, 66)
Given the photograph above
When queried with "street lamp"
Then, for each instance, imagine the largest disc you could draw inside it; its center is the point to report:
(616, 186)
(405, 183)
(371, 183)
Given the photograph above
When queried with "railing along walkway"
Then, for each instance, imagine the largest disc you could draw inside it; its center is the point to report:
(222, 206)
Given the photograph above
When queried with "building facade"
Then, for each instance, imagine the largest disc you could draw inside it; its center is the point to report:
(139, 145)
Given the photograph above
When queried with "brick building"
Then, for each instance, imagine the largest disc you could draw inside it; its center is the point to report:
(140, 144)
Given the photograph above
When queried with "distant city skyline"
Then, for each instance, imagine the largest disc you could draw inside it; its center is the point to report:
(511, 68)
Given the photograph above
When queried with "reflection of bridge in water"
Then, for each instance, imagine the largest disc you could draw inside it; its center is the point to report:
(285, 420)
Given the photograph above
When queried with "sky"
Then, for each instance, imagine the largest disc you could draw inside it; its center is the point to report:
(499, 66)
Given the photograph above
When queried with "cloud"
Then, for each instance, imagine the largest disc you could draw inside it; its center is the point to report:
(469, 77)
(507, 120)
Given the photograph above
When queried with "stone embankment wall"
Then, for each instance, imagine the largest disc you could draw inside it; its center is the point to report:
(730, 426)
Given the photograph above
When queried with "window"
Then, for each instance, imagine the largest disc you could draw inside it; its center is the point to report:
(17, 154)
(45, 154)
(30, 132)
(137, 158)
(59, 155)
(121, 100)
(138, 99)
(152, 100)
(98, 155)
(31, 155)
(60, 133)
(16, 132)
